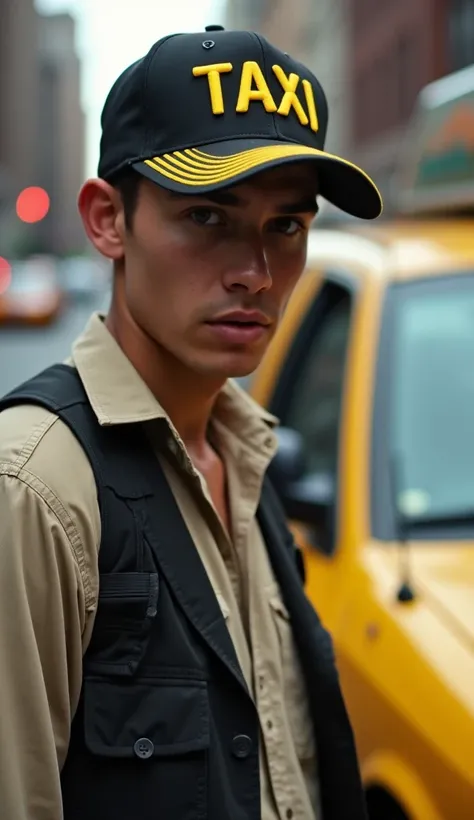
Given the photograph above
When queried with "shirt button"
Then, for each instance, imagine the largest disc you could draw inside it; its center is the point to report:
(289, 813)
(241, 746)
(144, 748)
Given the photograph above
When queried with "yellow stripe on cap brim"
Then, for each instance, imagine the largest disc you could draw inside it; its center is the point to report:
(194, 168)
(185, 168)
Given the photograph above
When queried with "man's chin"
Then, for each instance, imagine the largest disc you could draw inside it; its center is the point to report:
(229, 367)
(242, 372)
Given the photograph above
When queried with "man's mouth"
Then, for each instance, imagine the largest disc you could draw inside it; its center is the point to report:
(241, 318)
(240, 327)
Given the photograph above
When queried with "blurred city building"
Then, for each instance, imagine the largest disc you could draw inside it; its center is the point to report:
(372, 57)
(396, 48)
(61, 132)
(461, 34)
(18, 107)
(42, 132)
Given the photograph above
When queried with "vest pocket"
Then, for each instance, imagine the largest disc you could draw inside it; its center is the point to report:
(172, 715)
(157, 733)
(127, 607)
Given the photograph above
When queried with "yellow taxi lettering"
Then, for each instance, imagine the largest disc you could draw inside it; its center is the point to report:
(213, 73)
(313, 116)
(289, 99)
(252, 73)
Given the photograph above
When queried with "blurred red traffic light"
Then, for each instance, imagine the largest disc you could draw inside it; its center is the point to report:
(32, 204)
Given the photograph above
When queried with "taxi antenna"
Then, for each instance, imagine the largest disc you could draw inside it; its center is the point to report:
(405, 592)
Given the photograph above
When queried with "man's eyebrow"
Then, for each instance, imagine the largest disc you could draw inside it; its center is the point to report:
(305, 205)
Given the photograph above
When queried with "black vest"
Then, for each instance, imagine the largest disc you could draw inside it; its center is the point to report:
(166, 728)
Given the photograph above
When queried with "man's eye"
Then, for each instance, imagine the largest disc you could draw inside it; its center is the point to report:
(205, 216)
(288, 226)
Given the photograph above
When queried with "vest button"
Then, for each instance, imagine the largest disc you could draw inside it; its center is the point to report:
(241, 746)
(143, 748)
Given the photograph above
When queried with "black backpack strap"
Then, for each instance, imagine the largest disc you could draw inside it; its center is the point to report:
(55, 388)
(270, 505)
(59, 389)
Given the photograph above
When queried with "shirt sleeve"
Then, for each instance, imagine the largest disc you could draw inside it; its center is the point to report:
(42, 617)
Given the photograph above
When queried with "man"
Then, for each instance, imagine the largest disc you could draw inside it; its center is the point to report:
(159, 658)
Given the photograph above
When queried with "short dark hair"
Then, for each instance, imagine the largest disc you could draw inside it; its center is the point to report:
(127, 183)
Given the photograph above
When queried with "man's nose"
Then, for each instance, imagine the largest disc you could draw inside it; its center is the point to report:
(249, 269)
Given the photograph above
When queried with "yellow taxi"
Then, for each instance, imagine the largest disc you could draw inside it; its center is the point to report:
(372, 377)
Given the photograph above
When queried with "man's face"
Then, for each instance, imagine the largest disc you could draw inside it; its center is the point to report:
(208, 277)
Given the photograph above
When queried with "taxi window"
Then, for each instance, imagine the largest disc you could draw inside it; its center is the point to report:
(311, 388)
(427, 368)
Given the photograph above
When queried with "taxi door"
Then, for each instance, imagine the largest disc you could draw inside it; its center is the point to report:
(305, 382)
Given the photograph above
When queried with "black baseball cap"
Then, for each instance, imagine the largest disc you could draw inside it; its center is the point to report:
(207, 110)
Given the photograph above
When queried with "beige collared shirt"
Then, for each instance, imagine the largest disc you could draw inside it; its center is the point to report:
(49, 543)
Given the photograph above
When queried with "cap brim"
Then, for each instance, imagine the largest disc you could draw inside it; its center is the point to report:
(220, 165)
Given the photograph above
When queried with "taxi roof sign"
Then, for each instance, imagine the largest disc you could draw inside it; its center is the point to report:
(436, 169)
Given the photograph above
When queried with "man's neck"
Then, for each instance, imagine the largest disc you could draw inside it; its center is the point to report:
(186, 397)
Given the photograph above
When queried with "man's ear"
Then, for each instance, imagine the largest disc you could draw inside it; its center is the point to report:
(101, 209)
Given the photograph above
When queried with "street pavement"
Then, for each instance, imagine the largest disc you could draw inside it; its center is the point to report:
(26, 351)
